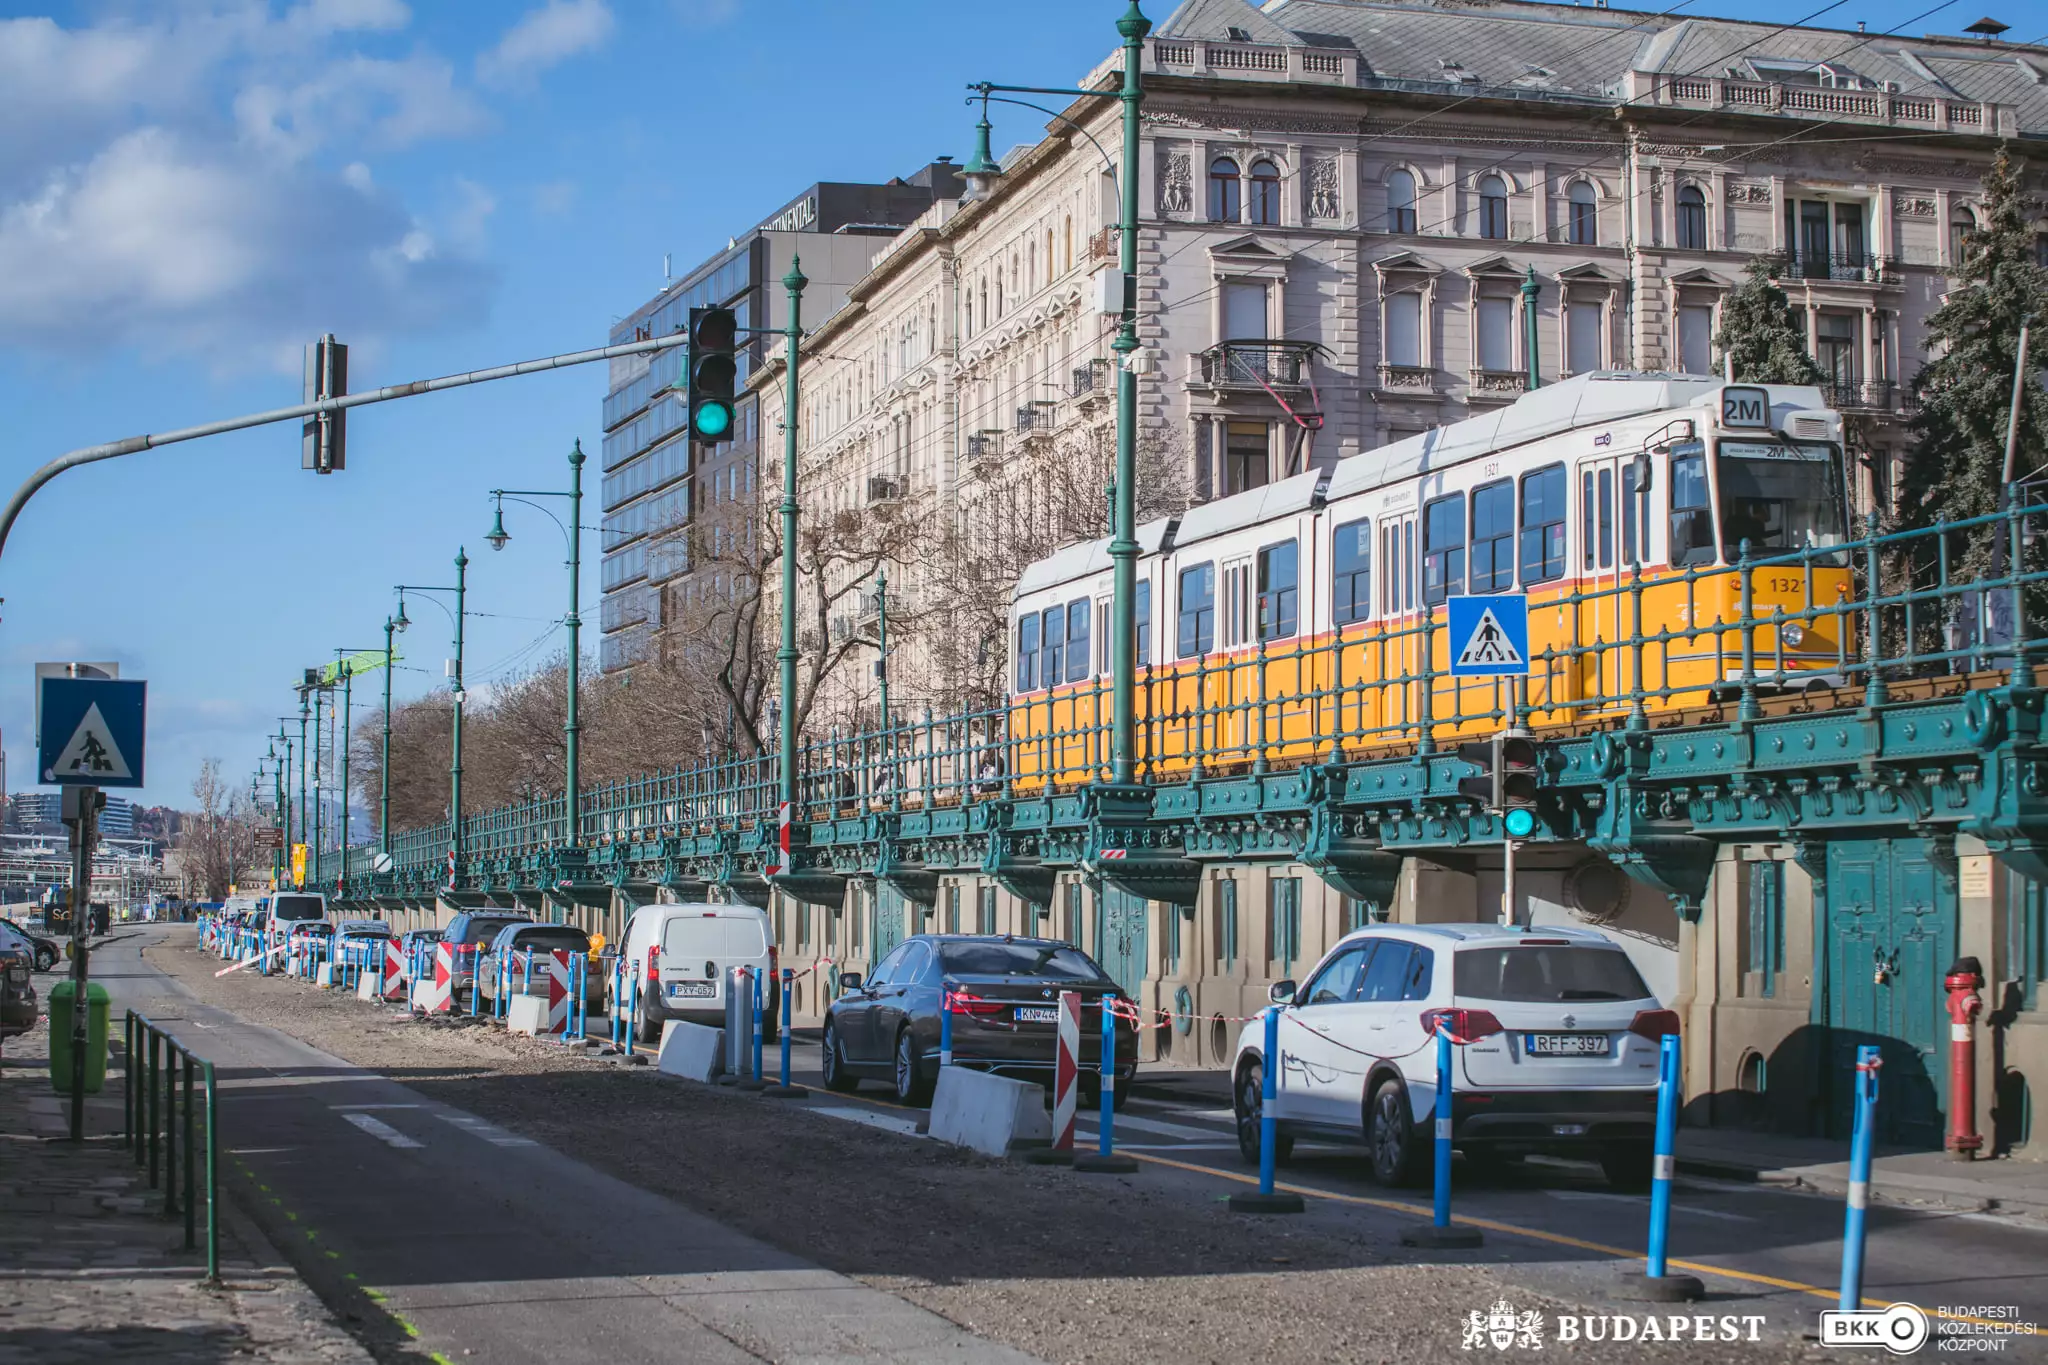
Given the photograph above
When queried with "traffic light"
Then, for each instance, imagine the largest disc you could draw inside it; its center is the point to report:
(1507, 781)
(1480, 785)
(714, 334)
(324, 444)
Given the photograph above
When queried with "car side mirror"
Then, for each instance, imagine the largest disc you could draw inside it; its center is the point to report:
(1281, 992)
(849, 981)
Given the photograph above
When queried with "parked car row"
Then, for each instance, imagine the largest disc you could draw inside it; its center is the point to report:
(44, 950)
(19, 1006)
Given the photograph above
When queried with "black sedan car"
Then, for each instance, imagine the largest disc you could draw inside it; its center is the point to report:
(1005, 1014)
(48, 954)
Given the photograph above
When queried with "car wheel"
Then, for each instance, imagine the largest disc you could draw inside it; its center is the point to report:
(46, 959)
(837, 1077)
(1249, 1100)
(645, 1029)
(911, 1086)
(1629, 1167)
(1390, 1135)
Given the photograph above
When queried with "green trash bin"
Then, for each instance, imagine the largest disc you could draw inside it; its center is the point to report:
(98, 1004)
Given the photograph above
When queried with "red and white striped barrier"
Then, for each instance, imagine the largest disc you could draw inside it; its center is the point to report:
(391, 983)
(558, 991)
(437, 994)
(1066, 1075)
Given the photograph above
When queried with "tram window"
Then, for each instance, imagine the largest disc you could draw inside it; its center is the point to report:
(1351, 554)
(1543, 518)
(1197, 610)
(1077, 638)
(1027, 652)
(1279, 572)
(1443, 549)
(1692, 516)
(1408, 565)
(1599, 517)
(1141, 608)
(1493, 537)
(1393, 565)
(1053, 653)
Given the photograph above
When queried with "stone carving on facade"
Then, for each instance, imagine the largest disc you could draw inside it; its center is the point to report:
(1167, 118)
(1749, 192)
(1931, 170)
(1324, 200)
(1241, 120)
(1176, 183)
(1915, 205)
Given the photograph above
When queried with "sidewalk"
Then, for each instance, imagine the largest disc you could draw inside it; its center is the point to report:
(1900, 1177)
(91, 1270)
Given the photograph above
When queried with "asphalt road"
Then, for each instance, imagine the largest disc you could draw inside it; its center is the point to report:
(1772, 1250)
(442, 1233)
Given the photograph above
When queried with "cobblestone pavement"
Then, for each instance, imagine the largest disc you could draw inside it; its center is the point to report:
(91, 1270)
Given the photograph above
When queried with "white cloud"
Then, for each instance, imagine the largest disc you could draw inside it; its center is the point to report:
(546, 37)
(346, 16)
(170, 245)
(389, 103)
(554, 197)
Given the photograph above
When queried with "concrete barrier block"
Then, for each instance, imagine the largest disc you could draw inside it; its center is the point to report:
(324, 976)
(991, 1114)
(527, 1014)
(693, 1051)
(366, 986)
(421, 995)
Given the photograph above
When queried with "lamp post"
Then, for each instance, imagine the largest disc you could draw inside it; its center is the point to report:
(981, 174)
(319, 751)
(304, 751)
(399, 623)
(384, 797)
(785, 655)
(348, 677)
(572, 824)
(1530, 292)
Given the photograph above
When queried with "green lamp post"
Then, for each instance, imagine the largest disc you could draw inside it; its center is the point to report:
(457, 617)
(572, 821)
(1531, 291)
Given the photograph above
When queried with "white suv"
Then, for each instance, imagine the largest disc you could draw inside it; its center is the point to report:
(1560, 1051)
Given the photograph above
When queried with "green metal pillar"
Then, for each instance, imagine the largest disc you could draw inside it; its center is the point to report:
(303, 752)
(1530, 292)
(384, 797)
(785, 656)
(319, 815)
(348, 676)
(572, 804)
(455, 746)
(1123, 549)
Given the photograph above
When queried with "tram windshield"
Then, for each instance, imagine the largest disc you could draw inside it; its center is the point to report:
(1781, 497)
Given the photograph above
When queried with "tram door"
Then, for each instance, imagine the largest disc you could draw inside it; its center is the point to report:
(1400, 658)
(1613, 502)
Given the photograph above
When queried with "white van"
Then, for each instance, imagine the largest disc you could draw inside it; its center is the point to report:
(683, 957)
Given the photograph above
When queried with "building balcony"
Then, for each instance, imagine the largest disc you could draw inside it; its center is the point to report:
(1255, 365)
(1415, 379)
(1093, 380)
(1497, 385)
(1037, 418)
(886, 488)
(1868, 395)
(1832, 104)
(1847, 267)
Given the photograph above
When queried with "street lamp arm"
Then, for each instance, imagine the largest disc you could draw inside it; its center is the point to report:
(525, 496)
(1054, 113)
(983, 89)
(132, 444)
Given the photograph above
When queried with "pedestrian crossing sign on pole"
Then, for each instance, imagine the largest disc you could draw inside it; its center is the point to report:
(1489, 635)
(91, 731)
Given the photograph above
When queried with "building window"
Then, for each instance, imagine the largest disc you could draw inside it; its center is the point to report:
(1961, 223)
(1582, 215)
(1835, 345)
(1265, 203)
(1027, 653)
(1278, 570)
(1583, 321)
(1197, 634)
(1497, 334)
(1351, 561)
(1826, 237)
(1070, 929)
(2026, 943)
(952, 916)
(1493, 208)
(1764, 955)
(1174, 916)
(1443, 549)
(1224, 189)
(1696, 338)
(1692, 219)
(1493, 537)
(1284, 924)
(985, 917)
(1543, 520)
(1404, 328)
(1245, 316)
(1226, 924)
(1400, 202)
(1245, 456)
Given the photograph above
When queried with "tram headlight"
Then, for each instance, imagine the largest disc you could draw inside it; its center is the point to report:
(1792, 635)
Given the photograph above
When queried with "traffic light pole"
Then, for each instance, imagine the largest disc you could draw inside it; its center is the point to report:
(84, 822)
(132, 444)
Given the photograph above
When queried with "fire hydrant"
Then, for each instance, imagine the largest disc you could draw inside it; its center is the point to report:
(1964, 980)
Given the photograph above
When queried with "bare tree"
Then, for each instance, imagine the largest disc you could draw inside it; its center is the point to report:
(220, 835)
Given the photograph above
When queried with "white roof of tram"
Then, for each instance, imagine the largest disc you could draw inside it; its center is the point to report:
(1090, 556)
(1584, 400)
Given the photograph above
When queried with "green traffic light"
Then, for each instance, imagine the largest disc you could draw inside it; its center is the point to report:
(713, 420)
(1520, 823)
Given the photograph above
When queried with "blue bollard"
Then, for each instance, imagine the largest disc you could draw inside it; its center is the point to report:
(1106, 1160)
(1268, 1200)
(786, 1090)
(1440, 1231)
(760, 1015)
(945, 1024)
(633, 979)
(1859, 1178)
(1656, 1283)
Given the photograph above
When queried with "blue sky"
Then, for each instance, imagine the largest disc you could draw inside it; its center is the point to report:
(192, 189)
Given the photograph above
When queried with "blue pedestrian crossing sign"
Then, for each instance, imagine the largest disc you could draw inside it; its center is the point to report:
(91, 731)
(1489, 635)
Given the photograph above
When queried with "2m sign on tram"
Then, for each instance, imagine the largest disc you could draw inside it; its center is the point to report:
(1489, 636)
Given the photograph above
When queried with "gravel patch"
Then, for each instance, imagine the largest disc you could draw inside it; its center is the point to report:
(1071, 1268)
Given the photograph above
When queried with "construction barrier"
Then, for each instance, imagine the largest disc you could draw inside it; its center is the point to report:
(436, 993)
(1066, 1072)
(391, 982)
(1107, 1160)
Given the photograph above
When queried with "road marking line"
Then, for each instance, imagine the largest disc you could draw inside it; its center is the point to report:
(1643, 1202)
(382, 1131)
(1510, 1229)
(491, 1133)
(1144, 1125)
(342, 1108)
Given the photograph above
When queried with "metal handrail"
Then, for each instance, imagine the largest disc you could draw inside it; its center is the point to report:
(152, 1097)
